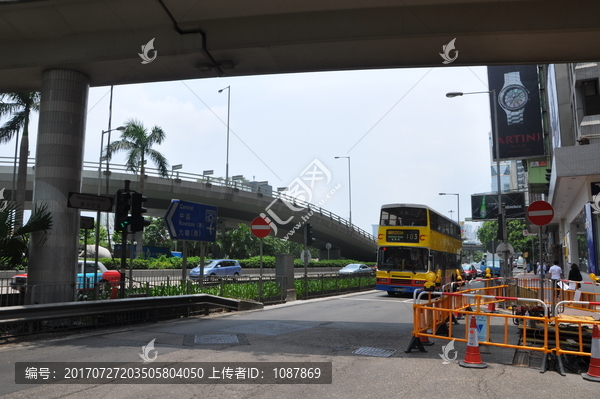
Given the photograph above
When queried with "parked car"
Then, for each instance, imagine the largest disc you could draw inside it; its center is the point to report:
(356, 268)
(469, 271)
(218, 267)
(85, 278)
(480, 273)
(493, 265)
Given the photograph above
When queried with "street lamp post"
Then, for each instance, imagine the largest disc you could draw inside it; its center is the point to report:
(349, 189)
(228, 88)
(497, 151)
(97, 244)
(457, 204)
(120, 128)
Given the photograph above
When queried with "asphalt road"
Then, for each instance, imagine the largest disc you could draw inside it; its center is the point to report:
(320, 330)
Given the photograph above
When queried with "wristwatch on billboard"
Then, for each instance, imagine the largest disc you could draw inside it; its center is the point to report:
(513, 97)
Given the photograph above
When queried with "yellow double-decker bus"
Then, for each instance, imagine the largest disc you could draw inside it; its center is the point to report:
(413, 240)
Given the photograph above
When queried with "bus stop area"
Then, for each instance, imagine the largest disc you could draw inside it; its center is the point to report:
(557, 333)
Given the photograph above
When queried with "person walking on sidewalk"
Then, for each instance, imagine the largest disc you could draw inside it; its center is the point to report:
(556, 275)
(541, 269)
(575, 274)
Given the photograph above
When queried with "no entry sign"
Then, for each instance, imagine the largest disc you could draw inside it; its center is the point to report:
(540, 213)
(260, 228)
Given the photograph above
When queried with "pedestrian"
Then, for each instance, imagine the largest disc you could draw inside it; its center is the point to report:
(575, 274)
(556, 275)
(541, 269)
(555, 271)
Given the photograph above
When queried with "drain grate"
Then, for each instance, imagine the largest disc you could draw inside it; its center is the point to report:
(216, 339)
(377, 352)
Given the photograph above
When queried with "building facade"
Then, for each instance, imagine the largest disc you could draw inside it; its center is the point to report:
(569, 176)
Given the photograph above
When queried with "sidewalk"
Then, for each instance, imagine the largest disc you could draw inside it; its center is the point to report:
(570, 313)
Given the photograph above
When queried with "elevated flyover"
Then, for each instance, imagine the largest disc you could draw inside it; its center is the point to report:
(203, 39)
(237, 203)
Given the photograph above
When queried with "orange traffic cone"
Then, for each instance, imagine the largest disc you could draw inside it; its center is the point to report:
(473, 357)
(425, 340)
(593, 373)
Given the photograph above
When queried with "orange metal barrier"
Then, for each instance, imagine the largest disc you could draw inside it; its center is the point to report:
(563, 330)
(436, 318)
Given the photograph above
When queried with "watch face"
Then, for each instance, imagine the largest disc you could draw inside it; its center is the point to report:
(513, 97)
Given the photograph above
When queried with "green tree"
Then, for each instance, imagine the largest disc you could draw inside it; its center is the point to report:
(137, 142)
(91, 239)
(240, 243)
(14, 241)
(489, 231)
(156, 234)
(20, 106)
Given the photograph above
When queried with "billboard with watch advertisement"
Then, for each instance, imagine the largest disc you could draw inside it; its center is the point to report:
(520, 133)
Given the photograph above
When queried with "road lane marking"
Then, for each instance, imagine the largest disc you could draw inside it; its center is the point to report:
(380, 300)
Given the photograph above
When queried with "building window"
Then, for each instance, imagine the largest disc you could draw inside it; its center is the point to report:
(591, 97)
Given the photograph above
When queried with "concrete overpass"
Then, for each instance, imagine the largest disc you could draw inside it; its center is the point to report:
(237, 203)
(62, 47)
(238, 38)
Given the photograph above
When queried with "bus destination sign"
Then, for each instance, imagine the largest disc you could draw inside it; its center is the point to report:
(408, 236)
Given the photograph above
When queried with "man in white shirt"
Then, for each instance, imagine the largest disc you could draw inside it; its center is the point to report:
(556, 275)
(555, 271)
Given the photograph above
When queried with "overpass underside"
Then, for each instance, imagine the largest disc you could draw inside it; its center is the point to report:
(237, 38)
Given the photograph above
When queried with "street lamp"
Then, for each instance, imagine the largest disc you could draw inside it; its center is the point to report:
(97, 244)
(457, 204)
(497, 151)
(349, 189)
(120, 128)
(228, 88)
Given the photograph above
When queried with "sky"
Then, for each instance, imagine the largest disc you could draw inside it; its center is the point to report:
(406, 141)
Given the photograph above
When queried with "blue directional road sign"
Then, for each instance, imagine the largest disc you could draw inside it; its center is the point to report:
(190, 221)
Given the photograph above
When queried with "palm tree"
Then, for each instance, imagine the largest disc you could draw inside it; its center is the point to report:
(138, 144)
(14, 242)
(20, 106)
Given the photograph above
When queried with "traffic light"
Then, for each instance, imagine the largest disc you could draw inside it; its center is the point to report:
(122, 207)
(308, 235)
(137, 213)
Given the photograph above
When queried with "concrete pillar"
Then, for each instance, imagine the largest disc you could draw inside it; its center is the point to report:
(58, 170)
(284, 270)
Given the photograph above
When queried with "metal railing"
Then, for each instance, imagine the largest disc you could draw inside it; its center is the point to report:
(236, 185)
(151, 299)
(56, 317)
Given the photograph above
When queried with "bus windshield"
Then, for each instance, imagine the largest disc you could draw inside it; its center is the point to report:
(403, 216)
(412, 260)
